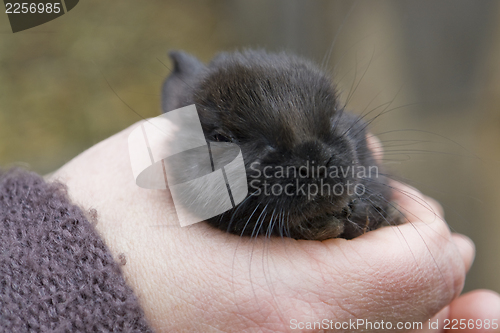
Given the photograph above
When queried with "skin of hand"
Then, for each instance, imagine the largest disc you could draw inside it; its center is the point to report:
(199, 279)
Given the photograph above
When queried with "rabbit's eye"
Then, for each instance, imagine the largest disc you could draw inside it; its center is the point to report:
(220, 138)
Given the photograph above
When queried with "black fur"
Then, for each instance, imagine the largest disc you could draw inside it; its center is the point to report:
(283, 112)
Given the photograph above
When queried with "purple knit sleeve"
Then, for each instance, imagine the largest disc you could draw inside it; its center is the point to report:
(56, 274)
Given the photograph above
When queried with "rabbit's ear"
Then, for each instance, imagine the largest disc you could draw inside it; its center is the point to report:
(179, 84)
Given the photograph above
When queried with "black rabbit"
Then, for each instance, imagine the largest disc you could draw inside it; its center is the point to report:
(309, 170)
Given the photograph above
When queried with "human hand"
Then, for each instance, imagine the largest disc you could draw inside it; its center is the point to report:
(200, 279)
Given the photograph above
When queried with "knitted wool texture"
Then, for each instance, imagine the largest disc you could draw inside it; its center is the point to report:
(56, 274)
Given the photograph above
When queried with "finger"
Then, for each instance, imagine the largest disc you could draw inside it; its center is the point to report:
(479, 309)
(430, 262)
(375, 145)
(414, 203)
(466, 248)
(416, 267)
(433, 324)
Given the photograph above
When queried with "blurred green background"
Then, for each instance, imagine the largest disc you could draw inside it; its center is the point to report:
(432, 65)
